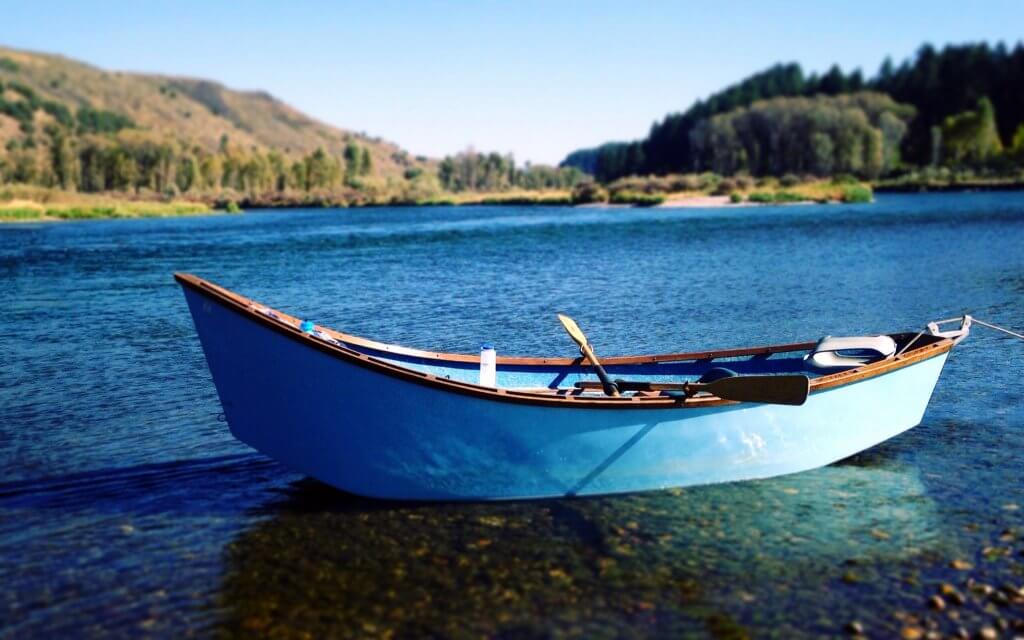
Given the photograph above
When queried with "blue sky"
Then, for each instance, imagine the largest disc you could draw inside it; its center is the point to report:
(537, 79)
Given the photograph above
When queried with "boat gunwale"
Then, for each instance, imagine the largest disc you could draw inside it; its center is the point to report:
(287, 325)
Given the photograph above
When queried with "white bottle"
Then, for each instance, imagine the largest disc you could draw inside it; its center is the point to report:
(488, 366)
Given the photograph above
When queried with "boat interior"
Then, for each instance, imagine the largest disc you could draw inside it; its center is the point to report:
(555, 374)
(814, 359)
(827, 362)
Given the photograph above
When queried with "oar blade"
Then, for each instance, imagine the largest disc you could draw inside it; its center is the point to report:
(791, 390)
(572, 329)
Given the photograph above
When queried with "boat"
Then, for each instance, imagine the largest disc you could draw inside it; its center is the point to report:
(392, 422)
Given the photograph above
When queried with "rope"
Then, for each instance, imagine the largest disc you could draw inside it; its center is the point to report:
(907, 346)
(998, 328)
(973, 319)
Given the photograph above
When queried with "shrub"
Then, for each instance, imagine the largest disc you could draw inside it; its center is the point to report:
(20, 214)
(82, 213)
(709, 181)
(232, 207)
(779, 197)
(744, 182)
(735, 197)
(788, 196)
(637, 198)
(789, 180)
(856, 193)
(588, 192)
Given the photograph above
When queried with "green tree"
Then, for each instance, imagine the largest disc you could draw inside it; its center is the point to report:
(353, 161)
(365, 162)
(64, 161)
(211, 171)
(187, 176)
(256, 174)
(1017, 145)
(24, 166)
(278, 170)
(322, 170)
(124, 172)
(298, 176)
(93, 160)
(971, 136)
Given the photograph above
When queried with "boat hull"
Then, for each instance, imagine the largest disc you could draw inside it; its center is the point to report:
(374, 434)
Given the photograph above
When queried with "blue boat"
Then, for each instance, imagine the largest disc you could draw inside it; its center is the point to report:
(391, 422)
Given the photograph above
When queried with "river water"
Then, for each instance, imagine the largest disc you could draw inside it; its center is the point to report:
(127, 508)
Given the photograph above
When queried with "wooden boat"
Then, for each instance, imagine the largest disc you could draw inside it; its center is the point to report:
(392, 422)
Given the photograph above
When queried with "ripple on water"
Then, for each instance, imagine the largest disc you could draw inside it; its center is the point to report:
(126, 506)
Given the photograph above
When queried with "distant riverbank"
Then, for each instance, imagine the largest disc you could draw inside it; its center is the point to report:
(19, 203)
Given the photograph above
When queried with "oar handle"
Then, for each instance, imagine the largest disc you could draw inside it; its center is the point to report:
(609, 387)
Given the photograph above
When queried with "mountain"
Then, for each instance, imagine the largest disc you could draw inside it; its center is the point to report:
(199, 112)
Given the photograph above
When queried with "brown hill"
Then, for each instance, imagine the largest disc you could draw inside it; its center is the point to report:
(194, 110)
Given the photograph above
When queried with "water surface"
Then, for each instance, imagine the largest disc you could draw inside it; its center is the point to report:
(126, 506)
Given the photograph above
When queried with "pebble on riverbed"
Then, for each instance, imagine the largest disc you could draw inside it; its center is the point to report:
(949, 592)
(911, 633)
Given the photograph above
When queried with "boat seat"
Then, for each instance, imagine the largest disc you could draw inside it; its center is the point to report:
(848, 352)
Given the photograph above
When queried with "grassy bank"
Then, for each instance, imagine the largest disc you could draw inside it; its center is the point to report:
(28, 204)
(676, 189)
(22, 203)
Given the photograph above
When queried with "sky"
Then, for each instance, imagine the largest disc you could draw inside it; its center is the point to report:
(535, 79)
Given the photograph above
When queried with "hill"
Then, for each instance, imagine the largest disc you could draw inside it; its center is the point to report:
(195, 111)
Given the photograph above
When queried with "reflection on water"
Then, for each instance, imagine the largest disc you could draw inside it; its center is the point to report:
(325, 563)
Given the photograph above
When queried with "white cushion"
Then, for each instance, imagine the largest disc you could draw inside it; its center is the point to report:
(828, 353)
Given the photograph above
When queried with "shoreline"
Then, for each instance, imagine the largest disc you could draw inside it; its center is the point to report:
(50, 206)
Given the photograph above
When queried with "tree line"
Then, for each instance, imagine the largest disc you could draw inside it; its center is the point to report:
(134, 161)
(939, 85)
(490, 172)
(857, 134)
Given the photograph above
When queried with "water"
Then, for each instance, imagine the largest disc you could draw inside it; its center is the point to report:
(126, 506)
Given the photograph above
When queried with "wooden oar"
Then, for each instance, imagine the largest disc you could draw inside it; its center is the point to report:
(577, 335)
(791, 389)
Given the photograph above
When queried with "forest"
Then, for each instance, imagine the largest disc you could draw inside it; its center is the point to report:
(958, 107)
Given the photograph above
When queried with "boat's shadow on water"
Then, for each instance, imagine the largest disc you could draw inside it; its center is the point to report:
(325, 562)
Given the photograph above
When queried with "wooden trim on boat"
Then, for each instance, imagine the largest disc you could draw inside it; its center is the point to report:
(289, 326)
